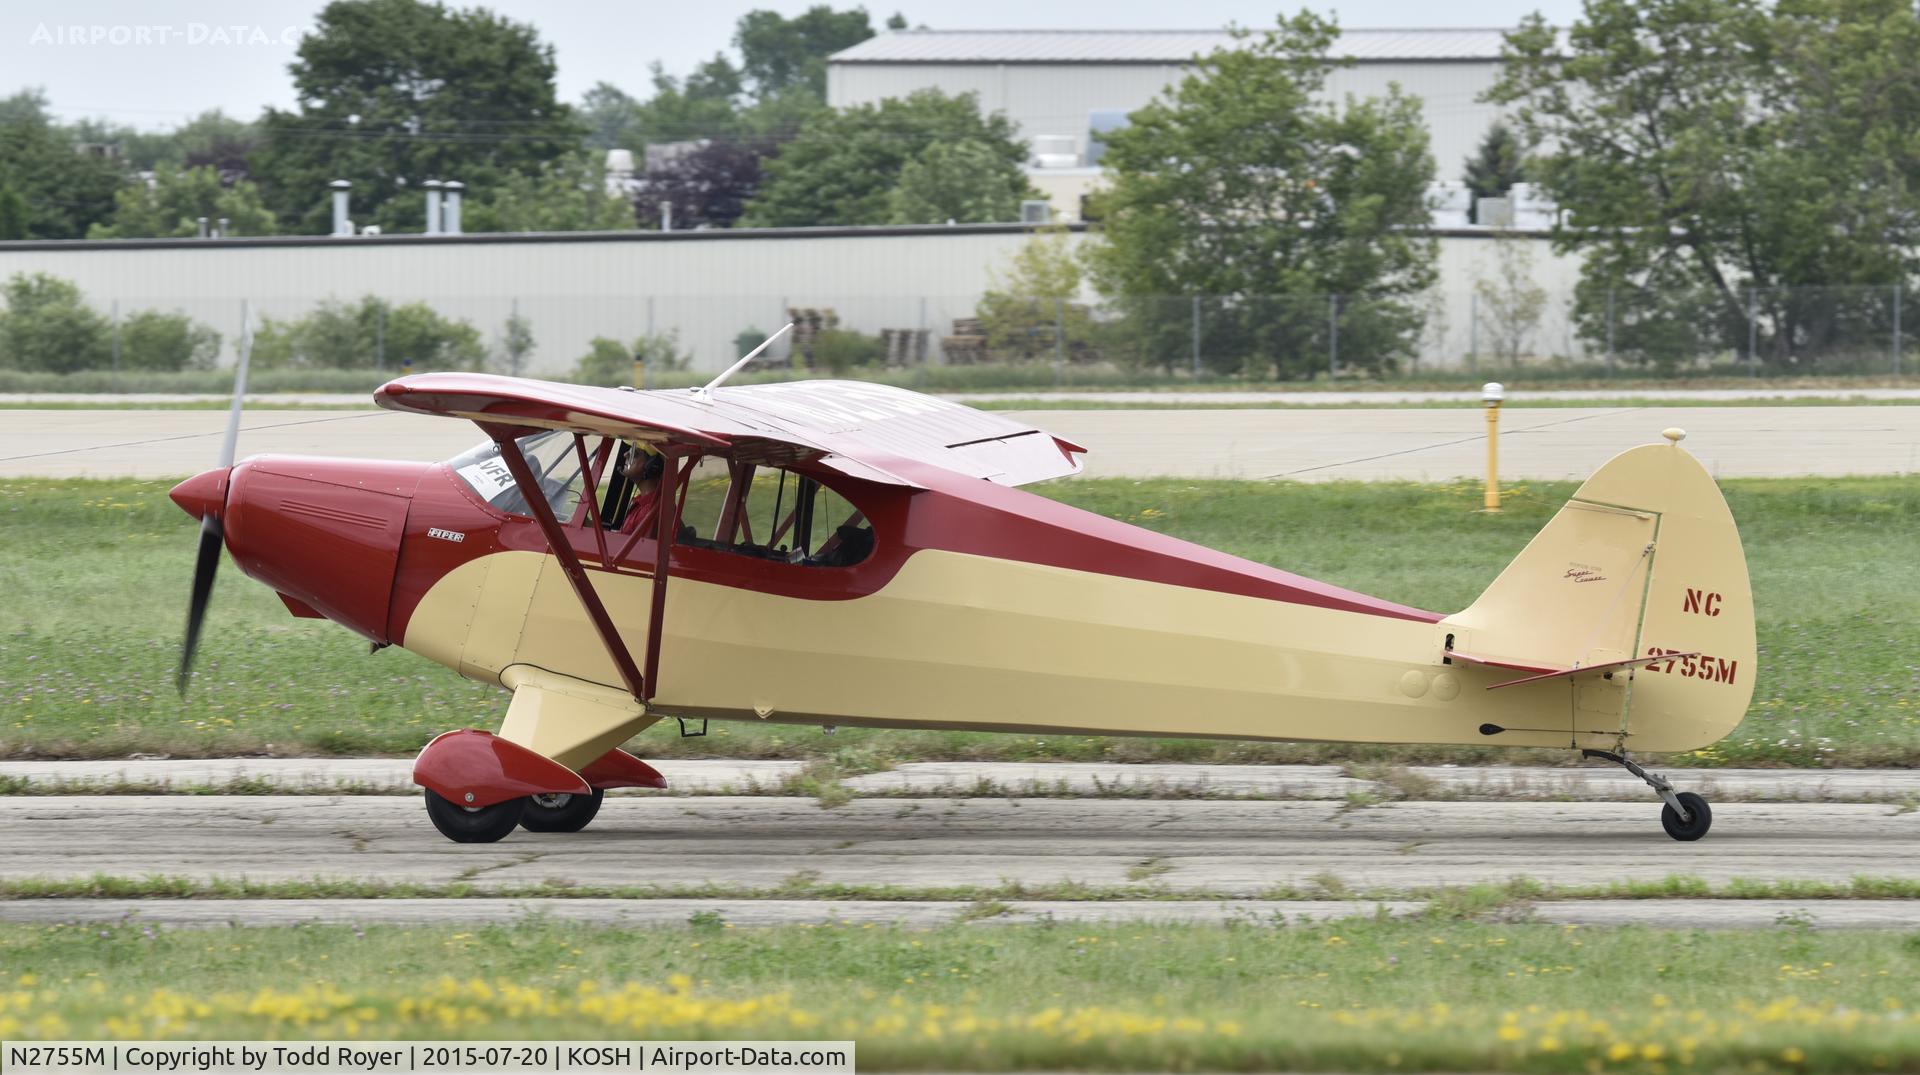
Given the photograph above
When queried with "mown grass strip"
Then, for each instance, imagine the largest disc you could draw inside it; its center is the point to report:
(1359, 995)
(806, 885)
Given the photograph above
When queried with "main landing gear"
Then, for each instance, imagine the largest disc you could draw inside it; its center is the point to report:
(1686, 815)
(561, 812)
(474, 824)
(480, 787)
(554, 812)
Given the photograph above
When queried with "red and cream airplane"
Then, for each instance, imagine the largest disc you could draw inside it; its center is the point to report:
(830, 553)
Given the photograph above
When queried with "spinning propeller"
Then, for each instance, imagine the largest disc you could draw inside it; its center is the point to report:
(206, 496)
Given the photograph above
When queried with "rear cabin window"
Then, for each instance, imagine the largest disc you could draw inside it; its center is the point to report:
(772, 514)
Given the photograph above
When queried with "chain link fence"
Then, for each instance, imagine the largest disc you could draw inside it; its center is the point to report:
(958, 341)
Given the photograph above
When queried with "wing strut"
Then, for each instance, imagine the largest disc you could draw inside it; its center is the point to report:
(669, 528)
(557, 543)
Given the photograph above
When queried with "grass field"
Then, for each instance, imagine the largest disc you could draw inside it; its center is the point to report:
(1354, 995)
(94, 576)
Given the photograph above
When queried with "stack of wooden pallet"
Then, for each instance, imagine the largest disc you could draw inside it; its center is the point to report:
(968, 344)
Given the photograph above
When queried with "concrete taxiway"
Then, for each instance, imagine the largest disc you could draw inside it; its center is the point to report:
(1301, 445)
(782, 846)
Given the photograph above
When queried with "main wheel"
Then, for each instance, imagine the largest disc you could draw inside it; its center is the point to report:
(561, 812)
(474, 824)
(1699, 818)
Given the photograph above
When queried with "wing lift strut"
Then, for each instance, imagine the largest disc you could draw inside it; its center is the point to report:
(641, 681)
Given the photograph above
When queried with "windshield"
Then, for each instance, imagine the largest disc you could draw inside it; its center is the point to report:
(552, 459)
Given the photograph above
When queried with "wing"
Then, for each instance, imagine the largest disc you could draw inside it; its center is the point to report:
(860, 429)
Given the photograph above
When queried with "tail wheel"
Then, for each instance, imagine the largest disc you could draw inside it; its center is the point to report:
(474, 824)
(1699, 817)
(561, 812)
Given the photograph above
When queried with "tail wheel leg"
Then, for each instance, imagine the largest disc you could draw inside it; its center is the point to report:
(561, 812)
(1686, 815)
(473, 824)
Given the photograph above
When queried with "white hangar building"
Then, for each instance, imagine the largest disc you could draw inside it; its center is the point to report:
(1064, 86)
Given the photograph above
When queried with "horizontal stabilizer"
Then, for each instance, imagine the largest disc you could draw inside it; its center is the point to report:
(1608, 666)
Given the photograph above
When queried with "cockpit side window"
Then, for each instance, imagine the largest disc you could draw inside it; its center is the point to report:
(550, 455)
(771, 513)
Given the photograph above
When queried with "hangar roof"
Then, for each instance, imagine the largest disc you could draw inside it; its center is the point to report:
(1151, 46)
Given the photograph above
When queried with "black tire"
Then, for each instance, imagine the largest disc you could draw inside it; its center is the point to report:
(1699, 819)
(474, 824)
(561, 812)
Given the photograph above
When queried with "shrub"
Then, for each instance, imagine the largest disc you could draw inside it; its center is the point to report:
(48, 327)
(609, 364)
(841, 349)
(369, 333)
(151, 340)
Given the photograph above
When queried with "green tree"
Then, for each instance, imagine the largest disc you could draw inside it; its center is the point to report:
(176, 200)
(1025, 310)
(703, 105)
(516, 344)
(843, 166)
(1495, 167)
(1711, 151)
(966, 182)
(211, 139)
(1302, 219)
(609, 363)
(395, 92)
(13, 214)
(48, 327)
(568, 194)
(611, 117)
(366, 334)
(152, 340)
(1510, 301)
(778, 53)
(66, 189)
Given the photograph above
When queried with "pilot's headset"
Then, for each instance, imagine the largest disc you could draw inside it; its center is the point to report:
(648, 467)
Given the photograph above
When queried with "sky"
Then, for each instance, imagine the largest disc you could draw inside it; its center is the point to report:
(154, 63)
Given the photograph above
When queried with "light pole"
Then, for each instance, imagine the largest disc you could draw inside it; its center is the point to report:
(1491, 394)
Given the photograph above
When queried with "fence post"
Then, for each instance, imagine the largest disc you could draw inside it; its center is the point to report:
(1896, 330)
(1473, 330)
(1196, 335)
(1753, 332)
(116, 345)
(922, 349)
(1059, 340)
(1610, 293)
(1333, 336)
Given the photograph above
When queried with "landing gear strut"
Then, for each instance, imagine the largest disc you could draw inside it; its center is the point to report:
(1686, 815)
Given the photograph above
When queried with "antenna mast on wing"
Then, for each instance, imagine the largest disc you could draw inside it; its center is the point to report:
(750, 356)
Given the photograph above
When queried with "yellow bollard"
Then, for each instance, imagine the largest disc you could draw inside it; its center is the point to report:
(639, 371)
(1491, 394)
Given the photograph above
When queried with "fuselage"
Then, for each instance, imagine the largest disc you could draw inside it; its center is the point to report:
(978, 607)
